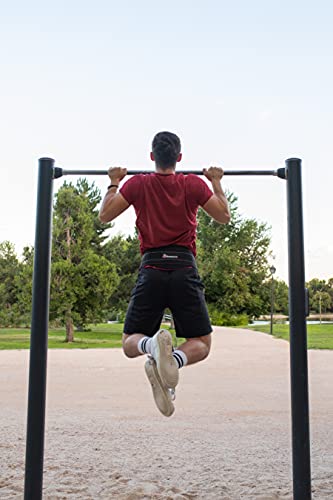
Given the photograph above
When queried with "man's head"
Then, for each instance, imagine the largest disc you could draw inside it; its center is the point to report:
(166, 150)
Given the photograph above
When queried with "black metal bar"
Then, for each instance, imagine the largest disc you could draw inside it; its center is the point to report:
(307, 302)
(298, 337)
(277, 173)
(39, 332)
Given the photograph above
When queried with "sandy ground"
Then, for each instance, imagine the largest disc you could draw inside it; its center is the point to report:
(228, 439)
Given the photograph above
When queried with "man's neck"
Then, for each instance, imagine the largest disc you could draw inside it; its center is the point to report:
(165, 171)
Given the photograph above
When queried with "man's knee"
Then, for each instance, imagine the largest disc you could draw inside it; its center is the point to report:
(201, 346)
(130, 344)
(127, 346)
(129, 352)
(206, 342)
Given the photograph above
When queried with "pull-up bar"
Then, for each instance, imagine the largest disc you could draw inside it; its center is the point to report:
(292, 173)
(280, 172)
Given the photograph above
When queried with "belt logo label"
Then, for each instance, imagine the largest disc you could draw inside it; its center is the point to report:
(166, 256)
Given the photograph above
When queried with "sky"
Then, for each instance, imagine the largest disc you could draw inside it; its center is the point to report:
(244, 84)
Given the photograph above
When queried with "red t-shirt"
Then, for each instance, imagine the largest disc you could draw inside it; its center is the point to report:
(166, 207)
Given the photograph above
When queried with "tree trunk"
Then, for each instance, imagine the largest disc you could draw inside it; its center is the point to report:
(69, 327)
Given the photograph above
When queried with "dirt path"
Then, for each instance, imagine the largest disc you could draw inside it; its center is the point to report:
(228, 439)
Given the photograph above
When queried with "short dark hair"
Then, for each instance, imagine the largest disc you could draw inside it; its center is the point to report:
(166, 148)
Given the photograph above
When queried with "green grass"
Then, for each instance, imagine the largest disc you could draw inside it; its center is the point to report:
(109, 336)
(319, 336)
(100, 336)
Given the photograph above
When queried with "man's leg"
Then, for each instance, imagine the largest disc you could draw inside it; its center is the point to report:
(159, 347)
(161, 393)
(130, 344)
(196, 349)
(144, 314)
(190, 314)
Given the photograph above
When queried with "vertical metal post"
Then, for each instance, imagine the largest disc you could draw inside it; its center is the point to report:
(298, 336)
(39, 334)
(272, 305)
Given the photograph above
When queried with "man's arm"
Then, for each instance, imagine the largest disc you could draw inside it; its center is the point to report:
(217, 206)
(114, 203)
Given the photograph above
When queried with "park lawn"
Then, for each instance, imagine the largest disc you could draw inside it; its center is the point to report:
(109, 336)
(319, 336)
(100, 336)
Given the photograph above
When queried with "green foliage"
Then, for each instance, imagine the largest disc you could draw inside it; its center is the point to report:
(233, 262)
(82, 278)
(92, 278)
(280, 296)
(321, 302)
(92, 195)
(124, 254)
(15, 285)
(220, 318)
(320, 295)
(9, 268)
(23, 283)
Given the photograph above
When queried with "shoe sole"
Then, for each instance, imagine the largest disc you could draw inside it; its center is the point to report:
(166, 364)
(161, 394)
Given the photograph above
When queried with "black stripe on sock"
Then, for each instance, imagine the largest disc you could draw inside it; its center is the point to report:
(143, 345)
(179, 359)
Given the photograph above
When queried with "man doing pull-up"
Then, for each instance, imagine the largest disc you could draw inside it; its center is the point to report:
(166, 206)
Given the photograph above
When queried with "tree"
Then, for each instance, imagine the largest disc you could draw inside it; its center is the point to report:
(23, 284)
(124, 253)
(321, 302)
(9, 268)
(281, 299)
(82, 278)
(330, 291)
(319, 291)
(93, 197)
(233, 261)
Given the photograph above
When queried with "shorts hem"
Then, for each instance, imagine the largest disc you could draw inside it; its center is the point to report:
(193, 336)
(136, 332)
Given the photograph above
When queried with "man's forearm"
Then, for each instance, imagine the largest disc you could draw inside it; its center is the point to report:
(106, 204)
(219, 193)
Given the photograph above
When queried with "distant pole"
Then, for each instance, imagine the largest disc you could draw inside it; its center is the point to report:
(39, 332)
(298, 337)
(272, 270)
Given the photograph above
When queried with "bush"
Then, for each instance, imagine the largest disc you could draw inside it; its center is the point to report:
(220, 318)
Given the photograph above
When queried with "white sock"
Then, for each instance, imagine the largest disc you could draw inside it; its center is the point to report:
(144, 345)
(180, 357)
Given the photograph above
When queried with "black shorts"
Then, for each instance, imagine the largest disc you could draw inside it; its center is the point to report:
(177, 287)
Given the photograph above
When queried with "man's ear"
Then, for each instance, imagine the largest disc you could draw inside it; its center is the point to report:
(180, 156)
(152, 157)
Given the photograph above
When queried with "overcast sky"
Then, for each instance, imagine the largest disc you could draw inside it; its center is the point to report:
(244, 84)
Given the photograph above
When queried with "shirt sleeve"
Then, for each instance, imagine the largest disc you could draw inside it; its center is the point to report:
(130, 189)
(201, 191)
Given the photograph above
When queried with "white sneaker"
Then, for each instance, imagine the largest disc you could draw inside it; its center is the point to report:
(172, 393)
(161, 393)
(161, 351)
